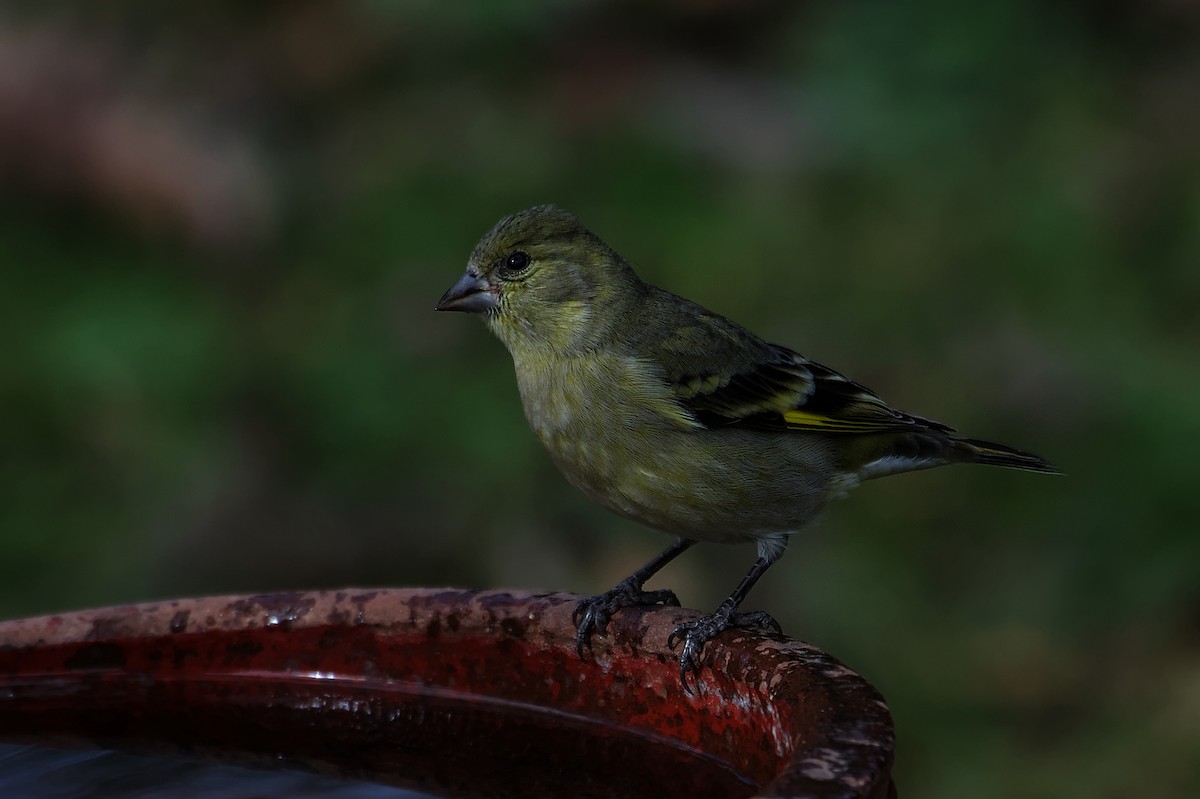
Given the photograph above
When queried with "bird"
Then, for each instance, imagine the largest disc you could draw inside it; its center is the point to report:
(673, 416)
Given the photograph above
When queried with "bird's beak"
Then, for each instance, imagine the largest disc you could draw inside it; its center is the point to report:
(471, 293)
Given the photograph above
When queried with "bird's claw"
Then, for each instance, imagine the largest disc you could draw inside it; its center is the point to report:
(756, 618)
(695, 634)
(592, 614)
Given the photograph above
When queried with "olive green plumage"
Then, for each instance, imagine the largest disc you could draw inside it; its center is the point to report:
(674, 416)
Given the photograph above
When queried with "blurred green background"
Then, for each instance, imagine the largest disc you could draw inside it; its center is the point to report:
(223, 228)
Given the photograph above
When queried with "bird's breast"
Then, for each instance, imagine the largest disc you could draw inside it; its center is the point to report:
(617, 434)
(599, 417)
(595, 396)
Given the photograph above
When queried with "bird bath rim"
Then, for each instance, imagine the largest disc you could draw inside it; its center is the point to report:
(420, 687)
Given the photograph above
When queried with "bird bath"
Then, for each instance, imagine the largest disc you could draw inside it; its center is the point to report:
(450, 692)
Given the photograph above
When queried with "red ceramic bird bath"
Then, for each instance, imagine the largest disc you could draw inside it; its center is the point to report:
(452, 692)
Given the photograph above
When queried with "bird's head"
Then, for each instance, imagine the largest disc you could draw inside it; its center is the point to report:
(540, 278)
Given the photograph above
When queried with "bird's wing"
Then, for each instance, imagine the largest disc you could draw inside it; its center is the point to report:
(724, 375)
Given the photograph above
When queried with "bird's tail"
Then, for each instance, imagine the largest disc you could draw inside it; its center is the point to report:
(972, 450)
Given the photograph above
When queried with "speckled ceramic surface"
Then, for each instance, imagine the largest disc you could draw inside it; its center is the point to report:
(455, 692)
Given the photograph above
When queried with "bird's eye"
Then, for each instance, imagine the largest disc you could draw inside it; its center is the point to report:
(517, 261)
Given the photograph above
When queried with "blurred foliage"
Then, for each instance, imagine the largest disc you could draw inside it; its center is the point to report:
(223, 228)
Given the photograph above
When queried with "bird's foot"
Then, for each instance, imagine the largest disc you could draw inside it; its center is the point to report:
(695, 634)
(593, 614)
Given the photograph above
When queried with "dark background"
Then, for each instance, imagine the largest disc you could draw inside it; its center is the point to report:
(223, 228)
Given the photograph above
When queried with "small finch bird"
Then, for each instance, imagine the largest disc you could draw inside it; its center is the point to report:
(673, 416)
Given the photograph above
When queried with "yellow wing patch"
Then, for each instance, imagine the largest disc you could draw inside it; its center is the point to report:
(808, 420)
(805, 420)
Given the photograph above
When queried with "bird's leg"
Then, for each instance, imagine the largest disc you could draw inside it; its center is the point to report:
(695, 634)
(593, 613)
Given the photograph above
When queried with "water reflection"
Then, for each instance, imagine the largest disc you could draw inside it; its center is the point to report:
(39, 772)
